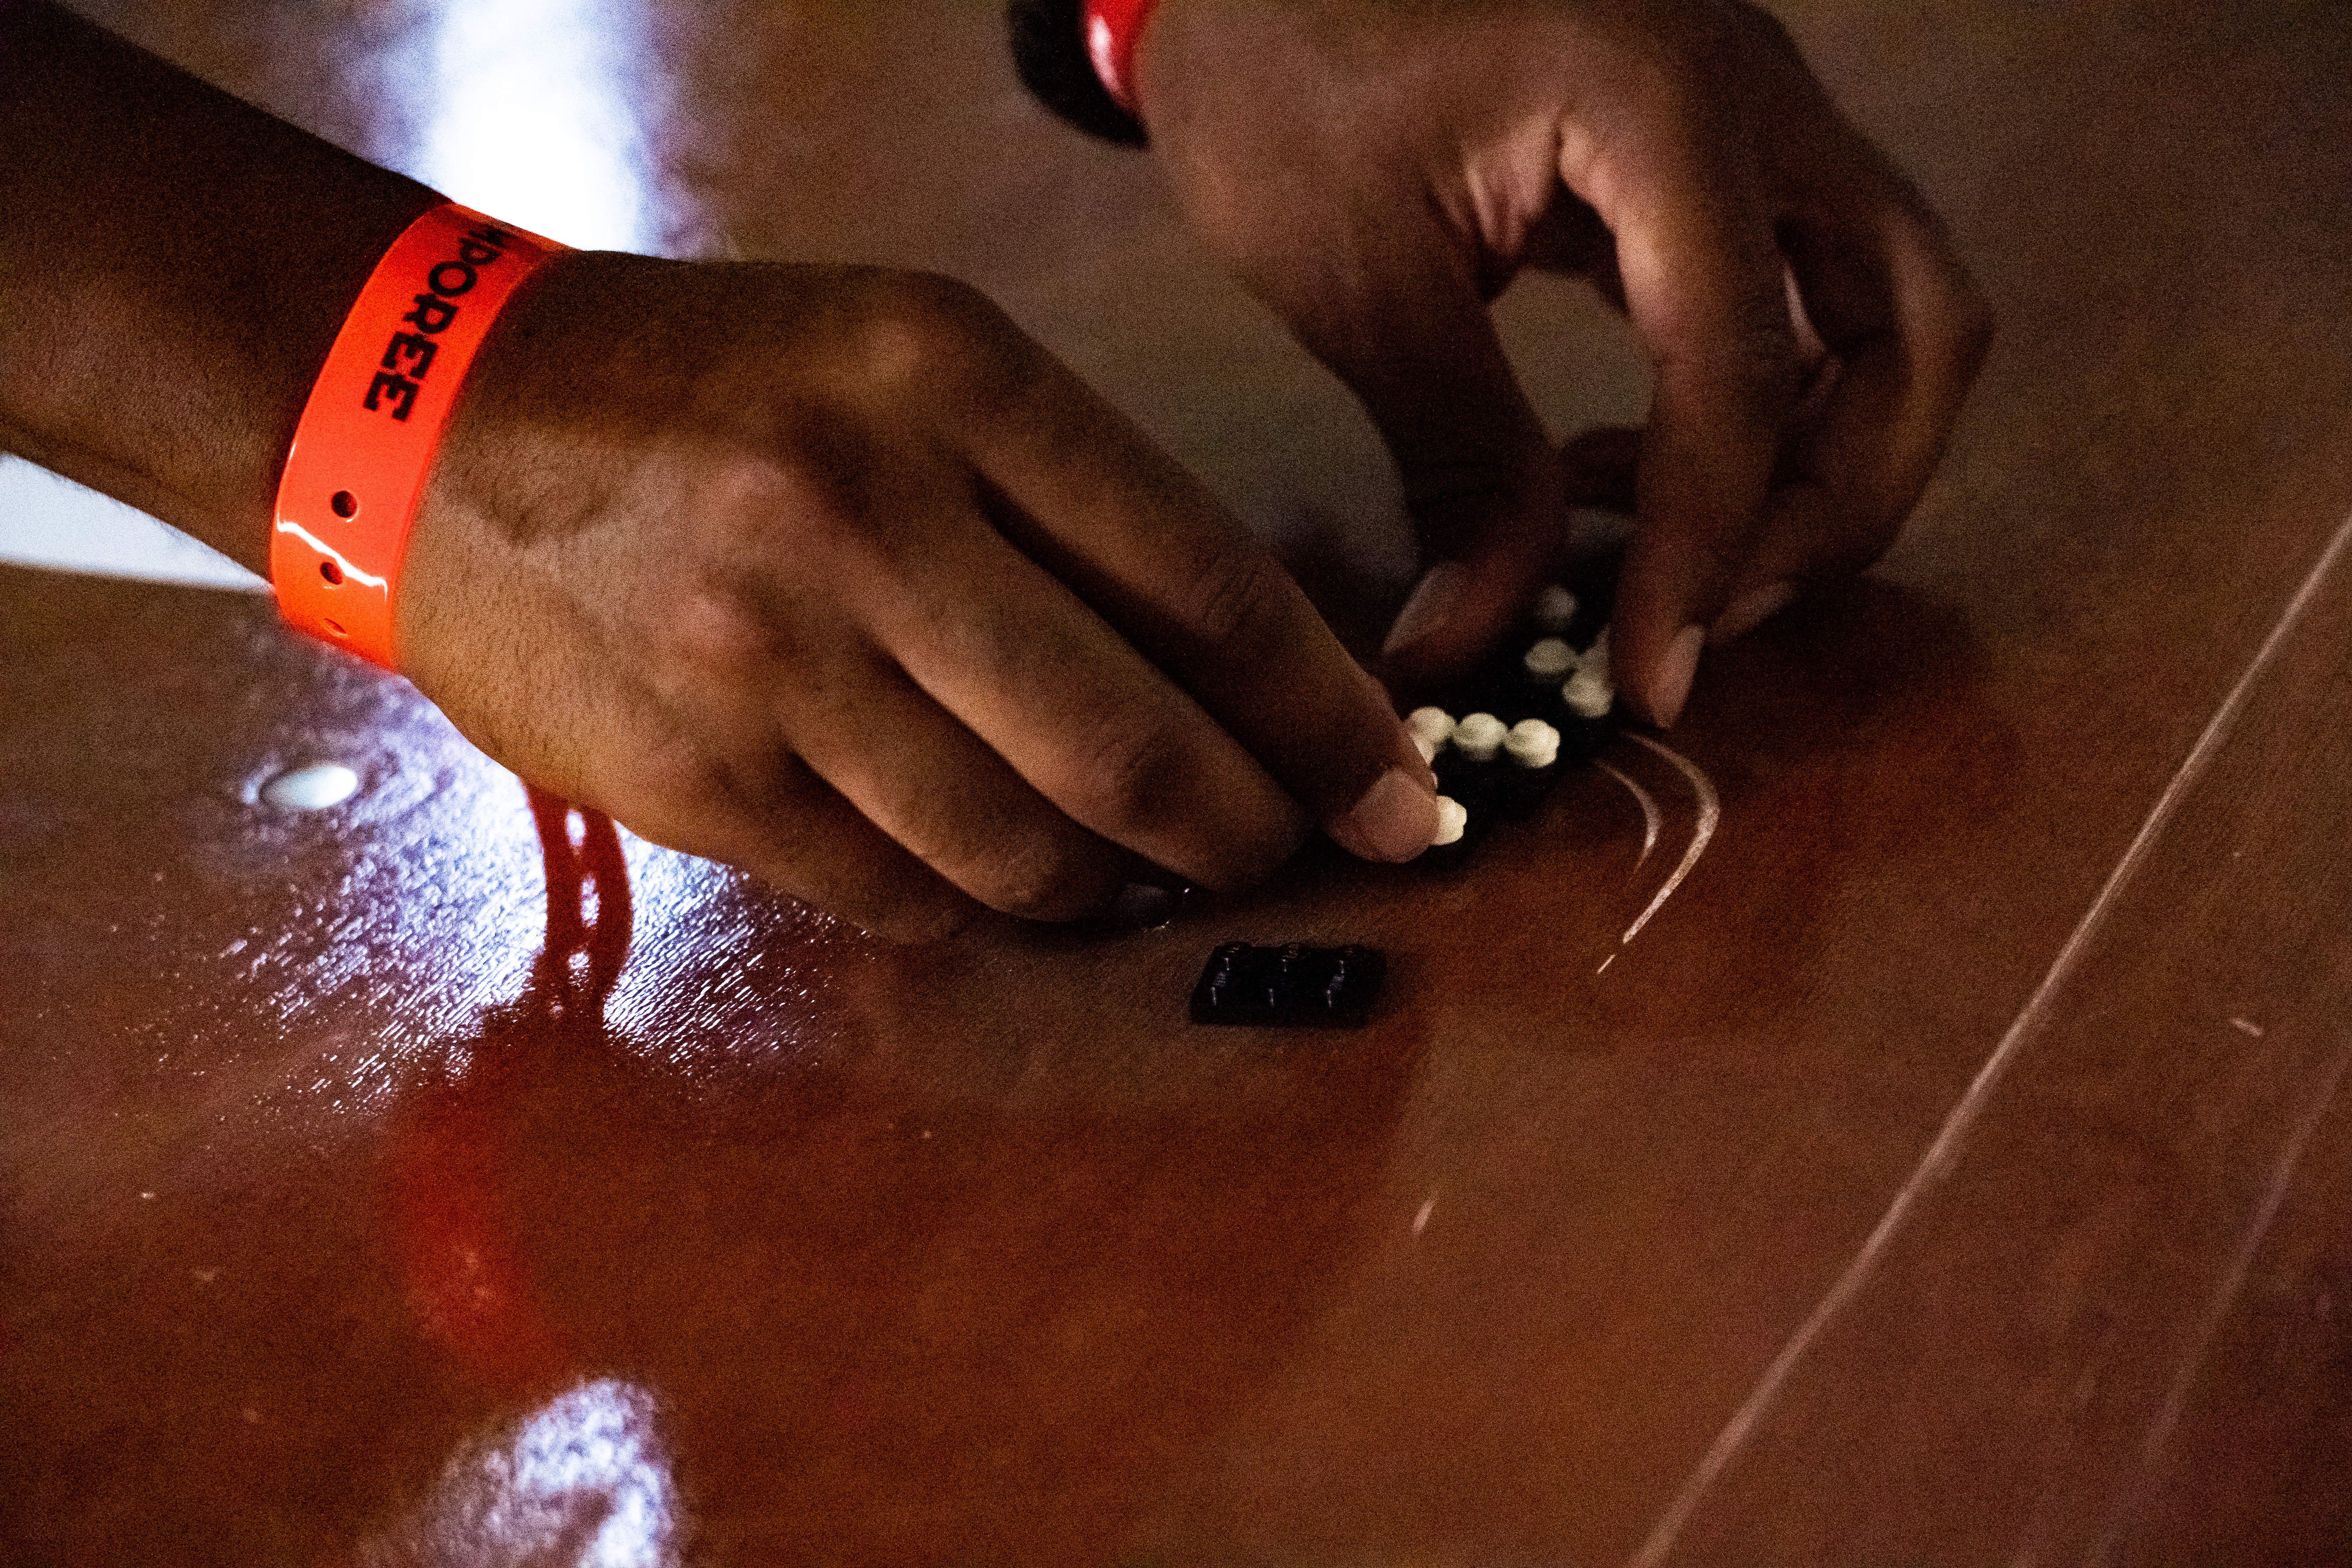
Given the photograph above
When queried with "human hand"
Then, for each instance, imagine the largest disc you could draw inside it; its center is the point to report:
(1378, 171)
(834, 575)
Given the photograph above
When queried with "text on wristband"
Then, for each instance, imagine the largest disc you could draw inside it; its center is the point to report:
(409, 356)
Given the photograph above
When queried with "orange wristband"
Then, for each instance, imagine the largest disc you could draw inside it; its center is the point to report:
(357, 468)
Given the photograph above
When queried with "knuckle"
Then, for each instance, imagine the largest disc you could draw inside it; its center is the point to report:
(720, 634)
(757, 500)
(689, 798)
(1234, 835)
(909, 329)
(1240, 600)
(1035, 864)
(1151, 776)
(749, 485)
(1751, 357)
(1137, 771)
(770, 533)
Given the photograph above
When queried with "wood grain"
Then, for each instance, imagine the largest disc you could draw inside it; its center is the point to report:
(980, 1253)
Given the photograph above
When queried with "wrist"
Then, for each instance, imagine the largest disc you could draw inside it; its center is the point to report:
(173, 265)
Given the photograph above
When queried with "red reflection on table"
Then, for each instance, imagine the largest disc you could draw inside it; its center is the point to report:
(466, 1277)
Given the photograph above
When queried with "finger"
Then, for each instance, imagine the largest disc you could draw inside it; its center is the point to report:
(555, 703)
(798, 663)
(1703, 288)
(786, 827)
(1907, 332)
(1080, 714)
(1263, 693)
(731, 791)
(943, 793)
(1480, 477)
(728, 791)
(1379, 286)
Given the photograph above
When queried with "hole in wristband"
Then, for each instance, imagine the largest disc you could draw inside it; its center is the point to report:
(345, 503)
(337, 627)
(331, 572)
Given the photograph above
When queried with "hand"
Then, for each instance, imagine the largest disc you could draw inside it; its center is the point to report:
(834, 575)
(1378, 171)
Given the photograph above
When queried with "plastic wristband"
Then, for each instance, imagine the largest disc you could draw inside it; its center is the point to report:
(1113, 27)
(357, 468)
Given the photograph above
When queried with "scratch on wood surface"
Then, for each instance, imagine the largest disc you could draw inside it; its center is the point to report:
(1710, 812)
(1651, 820)
(1943, 1151)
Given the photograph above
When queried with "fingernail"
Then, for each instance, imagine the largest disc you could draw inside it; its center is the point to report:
(1751, 610)
(1672, 687)
(1433, 604)
(1393, 821)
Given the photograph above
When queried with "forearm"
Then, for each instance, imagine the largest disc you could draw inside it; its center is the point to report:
(173, 265)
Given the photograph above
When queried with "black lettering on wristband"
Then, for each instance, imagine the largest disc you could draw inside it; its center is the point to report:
(432, 314)
(409, 355)
(401, 391)
(408, 345)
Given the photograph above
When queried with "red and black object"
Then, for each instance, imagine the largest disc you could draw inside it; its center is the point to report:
(1291, 986)
(1049, 53)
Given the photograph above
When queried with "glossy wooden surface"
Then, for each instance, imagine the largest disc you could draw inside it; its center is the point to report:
(1952, 1171)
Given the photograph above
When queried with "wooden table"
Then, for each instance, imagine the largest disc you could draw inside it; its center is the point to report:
(1951, 1170)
